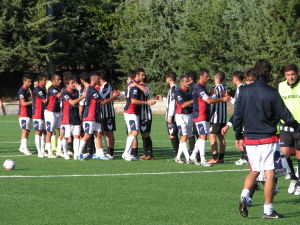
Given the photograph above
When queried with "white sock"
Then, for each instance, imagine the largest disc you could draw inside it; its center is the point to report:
(65, 146)
(105, 141)
(76, 142)
(43, 142)
(58, 150)
(245, 193)
(202, 149)
(81, 146)
(48, 145)
(268, 209)
(129, 142)
(100, 152)
(185, 151)
(24, 143)
(179, 151)
(196, 149)
(38, 144)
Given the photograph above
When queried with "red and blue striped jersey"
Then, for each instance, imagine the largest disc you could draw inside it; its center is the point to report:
(38, 107)
(134, 93)
(92, 107)
(182, 96)
(53, 103)
(70, 113)
(201, 108)
(24, 111)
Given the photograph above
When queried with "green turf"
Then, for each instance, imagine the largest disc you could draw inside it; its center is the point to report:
(120, 192)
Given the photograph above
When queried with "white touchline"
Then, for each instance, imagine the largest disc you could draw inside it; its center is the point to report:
(124, 174)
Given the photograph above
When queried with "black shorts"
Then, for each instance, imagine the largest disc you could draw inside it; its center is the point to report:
(145, 126)
(290, 139)
(172, 129)
(215, 128)
(109, 124)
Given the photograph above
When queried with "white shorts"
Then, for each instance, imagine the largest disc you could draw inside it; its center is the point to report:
(39, 124)
(69, 129)
(202, 127)
(52, 120)
(90, 126)
(25, 123)
(184, 124)
(132, 122)
(261, 157)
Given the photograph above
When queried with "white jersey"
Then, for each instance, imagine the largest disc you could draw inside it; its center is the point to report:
(146, 113)
(170, 102)
(107, 111)
(218, 111)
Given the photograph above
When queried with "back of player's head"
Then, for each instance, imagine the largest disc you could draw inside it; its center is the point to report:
(102, 74)
(192, 75)
(67, 79)
(131, 76)
(182, 77)
(172, 75)
(54, 76)
(93, 74)
(41, 76)
(139, 70)
(239, 75)
(48, 76)
(248, 73)
(220, 75)
(262, 69)
(291, 66)
(36, 80)
(67, 74)
(26, 77)
(85, 76)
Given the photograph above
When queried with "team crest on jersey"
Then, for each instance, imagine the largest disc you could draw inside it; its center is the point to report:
(179, 130)
(23, 122)
(36, 125)
(54, 91)
(132, 125)
(40, 93)
(21, 96)
(134, 92)
(66, 97)
(179, 98)
(48, 126)
(87, 128)
(95, 95)
(201, 129)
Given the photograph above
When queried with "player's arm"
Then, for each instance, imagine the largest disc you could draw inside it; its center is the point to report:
(76, 101)
(237, 119)
(217, 100)
(114, 96)
(139, 102)
(187, 104)
(139, 86)
(24, 103)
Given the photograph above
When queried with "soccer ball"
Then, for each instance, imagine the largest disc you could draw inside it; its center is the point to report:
(9, 164)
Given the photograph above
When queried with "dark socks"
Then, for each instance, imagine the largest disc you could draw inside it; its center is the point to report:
(252, 190)
(70, 146)
(149, 146)
(192, 143)
(242, 154)
(175, 144)
(221, 156)
(145, 147)
(134, 152)
(91, 145)
(215, 156)
(293, 177)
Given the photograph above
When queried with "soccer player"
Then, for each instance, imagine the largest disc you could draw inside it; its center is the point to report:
(259, 119)
(52, 111)
(289, 137)
(92, 116)
(25, 113)
(35, 83)
(218, 120)
(2, 106)
(201, 114)
(39, 105)
(70, 117)
(170, 111)
(132, 112)
(184, 117)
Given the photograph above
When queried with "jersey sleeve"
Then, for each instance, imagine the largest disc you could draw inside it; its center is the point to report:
(172, 103)
(179, 97)
(65, 97)
(202, 94)
(105, 92)
(134, 93)
(95, 95)
(21, 95)
(148, 93)
(40, 94)
(53, 91)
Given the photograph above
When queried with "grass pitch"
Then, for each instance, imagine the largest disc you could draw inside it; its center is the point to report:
(58, 191)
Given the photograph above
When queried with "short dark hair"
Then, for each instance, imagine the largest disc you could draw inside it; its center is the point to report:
(291, 66)
(94, 73)
(55, 75)
(192, 75)
(239, 75)
(248, 73)
(138, 70)
(131, 75)
(85, 76)
(26, 77)
(102, 74)
(48, 76)
(182, 77)
(172, 75)
(220, 75)
(262, 69)
(36, 80)
(67, 79)
(202, 71)
(67, 74)
(41, 76)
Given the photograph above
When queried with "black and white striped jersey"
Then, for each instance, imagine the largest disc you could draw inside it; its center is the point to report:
(170, 103)
(218, 111)
(105, 91)
(146, 113)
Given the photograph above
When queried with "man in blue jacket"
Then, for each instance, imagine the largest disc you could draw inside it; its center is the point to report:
(257, 109)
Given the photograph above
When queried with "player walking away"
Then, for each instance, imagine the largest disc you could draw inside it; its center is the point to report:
(218, 120)
(52, 112)
(289, 137)
(39, 105)
(2, 106)
(259, 119)
(184, 117)
(25, 113)
(132, 114)
(145, 123)
(70, 119)
(170, 111)
(201, 114)
(92, 116)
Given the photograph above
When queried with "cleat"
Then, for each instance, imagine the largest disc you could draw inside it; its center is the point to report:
(142, 157)
(45, 154)
(221, 160)
(243, 207)
(40, 156)
(109, 157)
(95, 156)
(26, 152)
(70, 153)
(59, 154)
(292, 187)
(103, 158)
(131, 158)
(205, 164)
(212, 161)
(21, 150)
(80, 158)
(88, 156)
(178, 160)
(195, 162)
(124, 155)
(249, 203)
(67, 156)
(276, 191)
(75, 157)
(297, 191)
(288, 177)
(274, 215)
(241, 162)
(148, 158)
(189, 162)
(51, 156)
